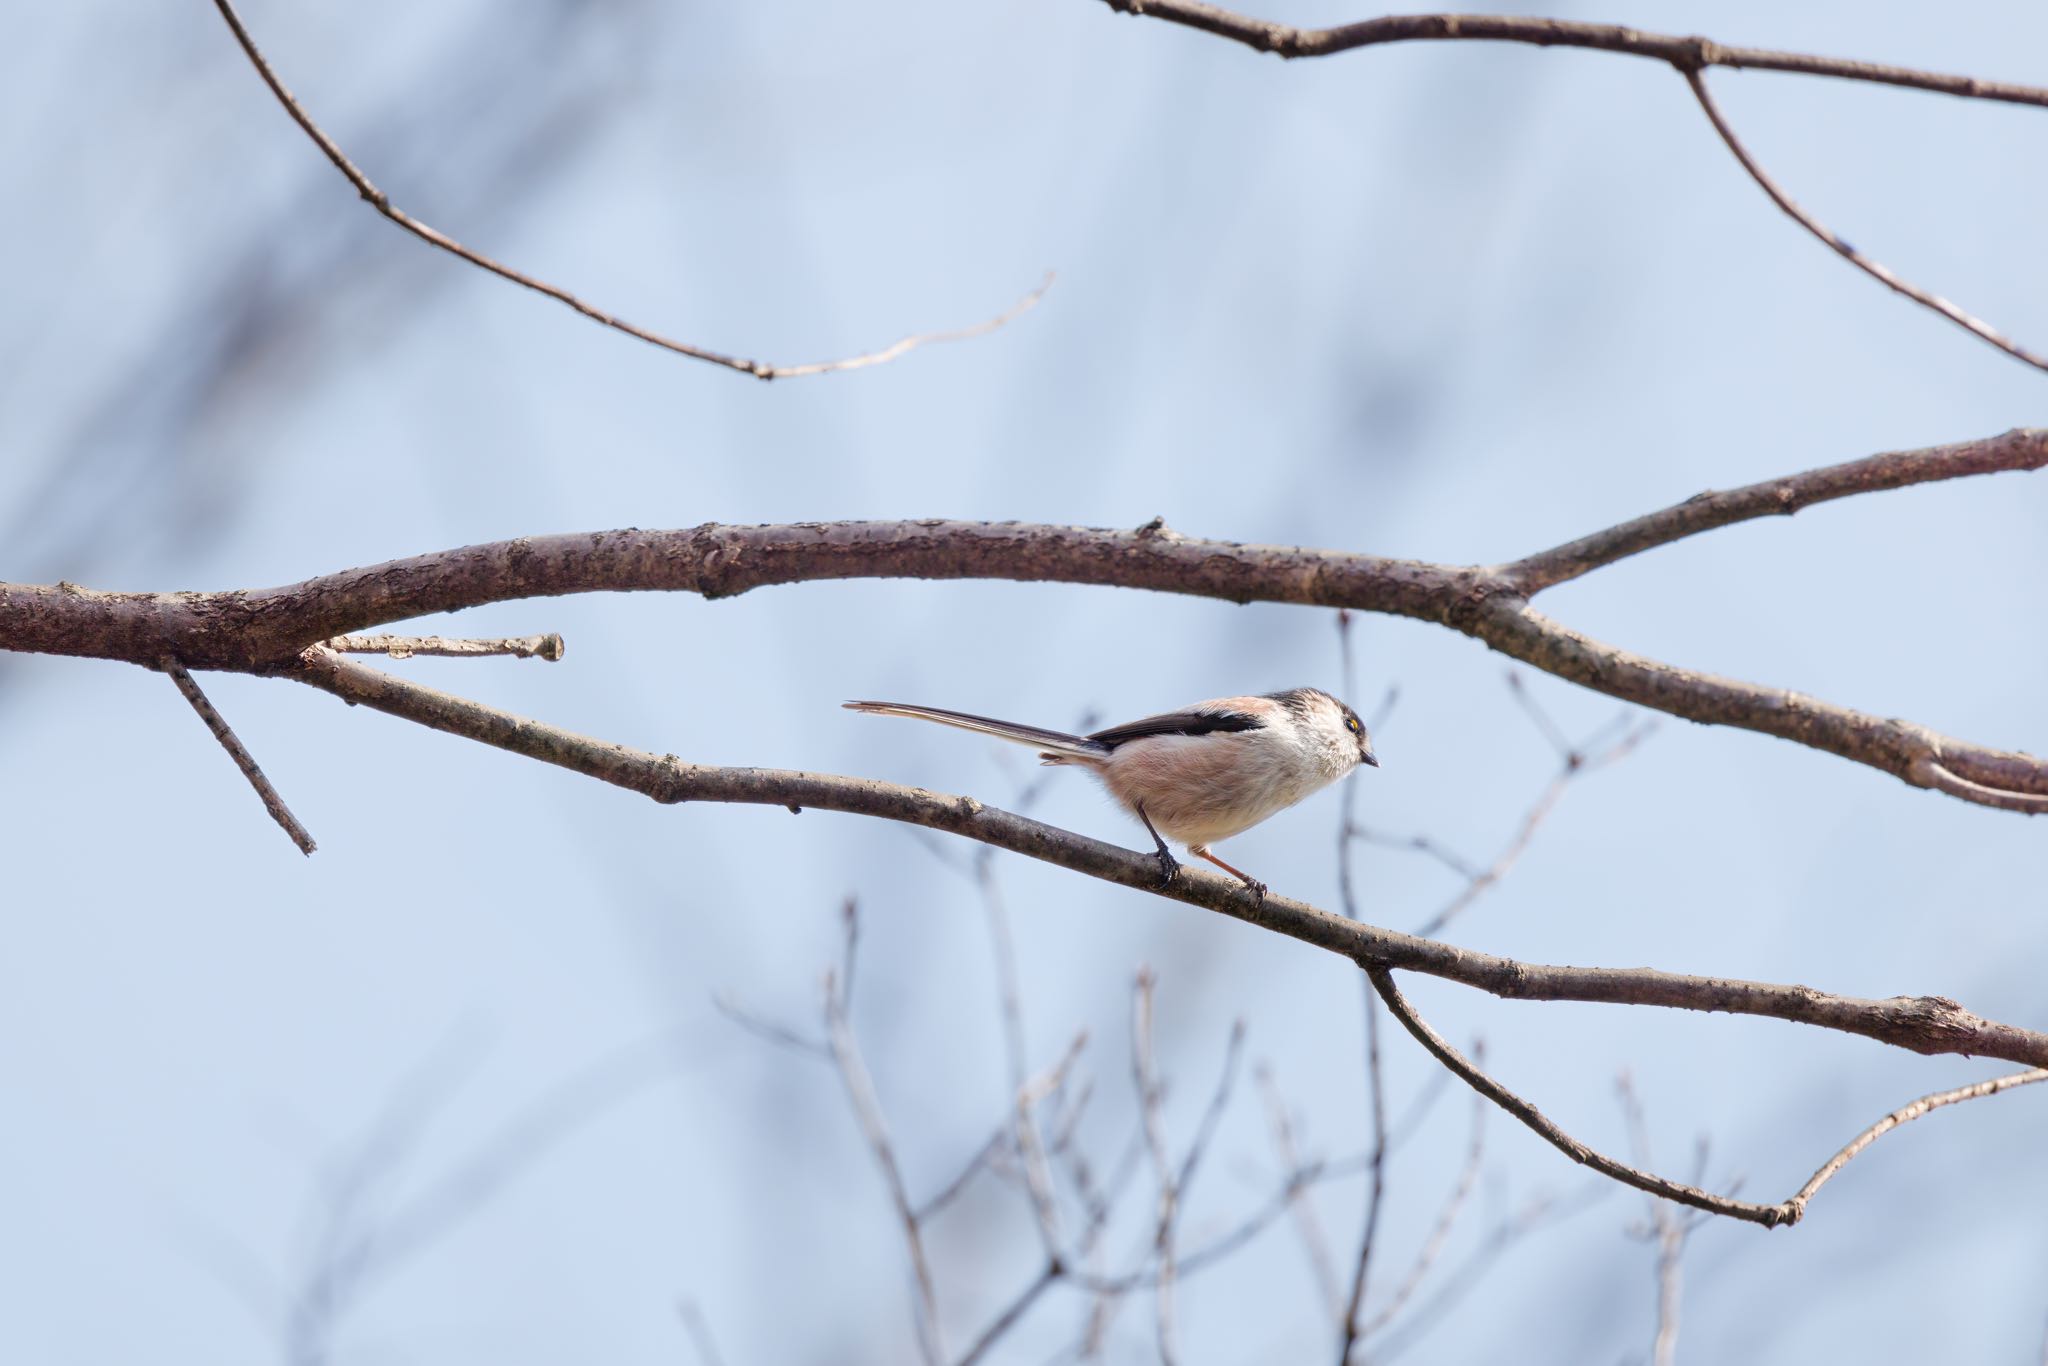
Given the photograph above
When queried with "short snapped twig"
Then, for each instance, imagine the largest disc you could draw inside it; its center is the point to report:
(239, 752)
(549, 647)
(381, 202)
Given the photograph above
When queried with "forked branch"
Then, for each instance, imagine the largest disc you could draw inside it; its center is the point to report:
(264, 630)
(1689, 56)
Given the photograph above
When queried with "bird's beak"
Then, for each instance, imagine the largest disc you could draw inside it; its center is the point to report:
(1366, 756)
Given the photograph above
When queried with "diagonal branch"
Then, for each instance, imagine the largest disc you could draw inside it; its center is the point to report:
(1922, 1024)
(1876, 270)
(1770, 1216)
(239, 752)
(2019, 449)
(381, 202)
(1689, 56)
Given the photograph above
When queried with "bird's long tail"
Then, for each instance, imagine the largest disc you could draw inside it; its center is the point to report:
(1054, 745)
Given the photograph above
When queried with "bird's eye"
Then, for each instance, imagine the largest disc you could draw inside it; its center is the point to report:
(1351, 724)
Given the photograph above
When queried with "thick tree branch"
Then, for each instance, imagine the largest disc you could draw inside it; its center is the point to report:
(1689, 56)
(381, 202)
(1922, 1024)
(263, 630)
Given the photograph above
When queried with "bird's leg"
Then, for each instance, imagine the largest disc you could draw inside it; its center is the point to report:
(1258, 888)
(1169, 866)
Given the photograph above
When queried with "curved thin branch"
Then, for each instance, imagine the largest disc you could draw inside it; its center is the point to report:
(1922, 1024)
(1685, 53)
(1876, 270)
(1689, 56)
(263, 630)
(1770, 1216)
(381, 202)
(1906, 1114)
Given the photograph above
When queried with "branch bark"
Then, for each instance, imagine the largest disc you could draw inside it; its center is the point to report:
(1922, 1024)
(1688, 56)
(1685, 53)
(264, 630)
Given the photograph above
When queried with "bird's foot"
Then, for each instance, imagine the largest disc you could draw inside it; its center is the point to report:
(1169, 868)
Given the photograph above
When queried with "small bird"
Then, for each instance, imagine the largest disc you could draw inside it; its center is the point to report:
(1200, 774)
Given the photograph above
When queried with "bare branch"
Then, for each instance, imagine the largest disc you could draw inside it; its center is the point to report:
(780, 1035)
(1905, 1114)
(699, 1329)
(239, 752)
(1149, 1087)
(548, 647)
(1031, 1146)
(1295, 1192)
(1768, 1215)
(1577, 763)
(1781, 497)
(381, 202)
(1975, 326)
(867, 1109)
(263, 631)
(1687, 54)
(1440, 1233)
(1922, 1024)
(1016, 1310)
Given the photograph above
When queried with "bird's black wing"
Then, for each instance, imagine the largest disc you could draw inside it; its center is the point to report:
(1178, 723)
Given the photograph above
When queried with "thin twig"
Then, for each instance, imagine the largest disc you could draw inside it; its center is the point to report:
(1768, 1215)
(1440, 1233)
(1666, 1228)
(699, 1329)
(239, 752)
(1376, 1186)
(1148, 1089)
(1313, 1243)
(1014, 1311)
(976, 1165)
(549, 647)
(867, 1109)
(1975, 326)
(1577, 762)
(780, 1035)
(1031, 1146)
(381, 202)
(1376, 1098)
(1905, 1114)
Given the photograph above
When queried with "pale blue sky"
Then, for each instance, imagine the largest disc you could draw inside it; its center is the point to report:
(1454, 302)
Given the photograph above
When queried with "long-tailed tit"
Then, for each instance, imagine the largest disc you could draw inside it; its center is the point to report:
(1203, 773)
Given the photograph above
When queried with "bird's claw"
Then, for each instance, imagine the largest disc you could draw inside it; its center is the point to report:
(1169, 868)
